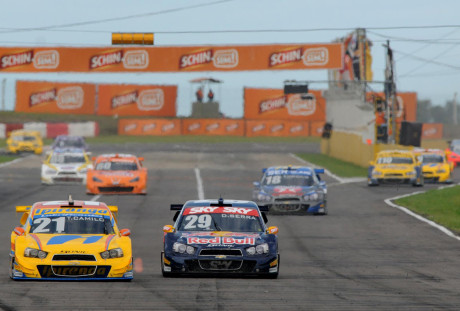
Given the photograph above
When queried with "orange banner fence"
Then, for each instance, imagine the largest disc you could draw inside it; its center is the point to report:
(100, 99)
(216, 127)
(172, 59)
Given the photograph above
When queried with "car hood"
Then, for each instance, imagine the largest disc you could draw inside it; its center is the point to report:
(219, 238)
(395, 167)
(68, 166)
(119, 174)
(286, 190)
(72, 243)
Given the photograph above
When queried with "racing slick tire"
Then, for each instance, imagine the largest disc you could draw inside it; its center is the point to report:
(275, 275)
(163, 272)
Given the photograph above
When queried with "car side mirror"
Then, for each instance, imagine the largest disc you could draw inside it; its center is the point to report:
(272, 230)
(168, 229)
(141, 159)
(19, 231)
(125, 232)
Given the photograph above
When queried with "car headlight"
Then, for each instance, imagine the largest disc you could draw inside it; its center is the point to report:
(312, 196)
(134, 179)
(262, 197)
(35, 253)
(413, 173)
(112, 253)
(182, 248)
(50, 171)
(83, 170)
(377, 173)
(96, 179)
(258, 250)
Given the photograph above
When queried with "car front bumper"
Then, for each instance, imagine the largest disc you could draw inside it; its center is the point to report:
(232, 265)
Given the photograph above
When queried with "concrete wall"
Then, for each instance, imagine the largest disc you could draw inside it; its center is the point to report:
(351, 148)
(348, 111)
(348, 147)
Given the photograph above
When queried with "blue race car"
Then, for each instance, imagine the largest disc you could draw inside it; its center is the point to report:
(292, 189)
(69, 142)
(220, 237)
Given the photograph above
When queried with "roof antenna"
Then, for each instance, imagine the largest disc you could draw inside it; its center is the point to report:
(70, 200)
(221, 200)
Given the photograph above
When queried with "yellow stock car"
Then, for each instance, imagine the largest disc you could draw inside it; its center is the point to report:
(70, 240)
(435, 165)
(23, 140)
(395, 166)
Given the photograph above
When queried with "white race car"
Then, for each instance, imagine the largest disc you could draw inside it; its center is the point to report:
(64, 166)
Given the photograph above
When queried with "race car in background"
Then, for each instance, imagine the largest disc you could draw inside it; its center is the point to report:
(292, 189)
(395, 166)
(117, 174)
(24, 141)
(70, 240)
(64, 166)
(435, 166)
(72, 142)
(220, 237)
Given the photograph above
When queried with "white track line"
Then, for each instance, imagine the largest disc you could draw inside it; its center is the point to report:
(328, 173)
(12, 162)
(199, 184)
(417, 216)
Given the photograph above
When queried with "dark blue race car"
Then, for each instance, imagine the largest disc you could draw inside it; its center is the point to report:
(220, 237)
(69, 142)
(292, 189)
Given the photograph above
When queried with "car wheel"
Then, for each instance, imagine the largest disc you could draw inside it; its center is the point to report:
(163, 272)
(275, 275)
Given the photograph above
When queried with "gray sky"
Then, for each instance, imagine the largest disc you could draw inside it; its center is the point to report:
(427, 53)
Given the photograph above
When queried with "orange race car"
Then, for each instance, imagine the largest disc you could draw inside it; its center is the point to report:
(117, 173)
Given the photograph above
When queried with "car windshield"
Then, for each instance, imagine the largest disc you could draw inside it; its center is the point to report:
(24, 138)
(288, 180)
(72, 224)
(395, 160)
(210, 218)
(116, 166)
(74, 143)
(67, 158)
(433, 158)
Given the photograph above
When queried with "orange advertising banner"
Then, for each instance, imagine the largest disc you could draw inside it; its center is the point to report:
(432, 130)
(272, 104)
(53, 97)
(154, 127)
(229, 127)
(137, 100)
(172, 59)
(276, 128)
(316, 128)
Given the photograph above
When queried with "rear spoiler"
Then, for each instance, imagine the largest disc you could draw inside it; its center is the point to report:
(319, 170)
(176, 207)
(23, 208)
(263, 208)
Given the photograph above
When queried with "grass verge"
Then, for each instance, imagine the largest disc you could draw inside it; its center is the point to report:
(336, 166)
(5, 158)
(439, 205)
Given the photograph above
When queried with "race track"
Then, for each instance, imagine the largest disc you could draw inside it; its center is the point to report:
(364, 255)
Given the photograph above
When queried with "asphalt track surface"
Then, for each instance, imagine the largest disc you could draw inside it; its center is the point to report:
(364, 255)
